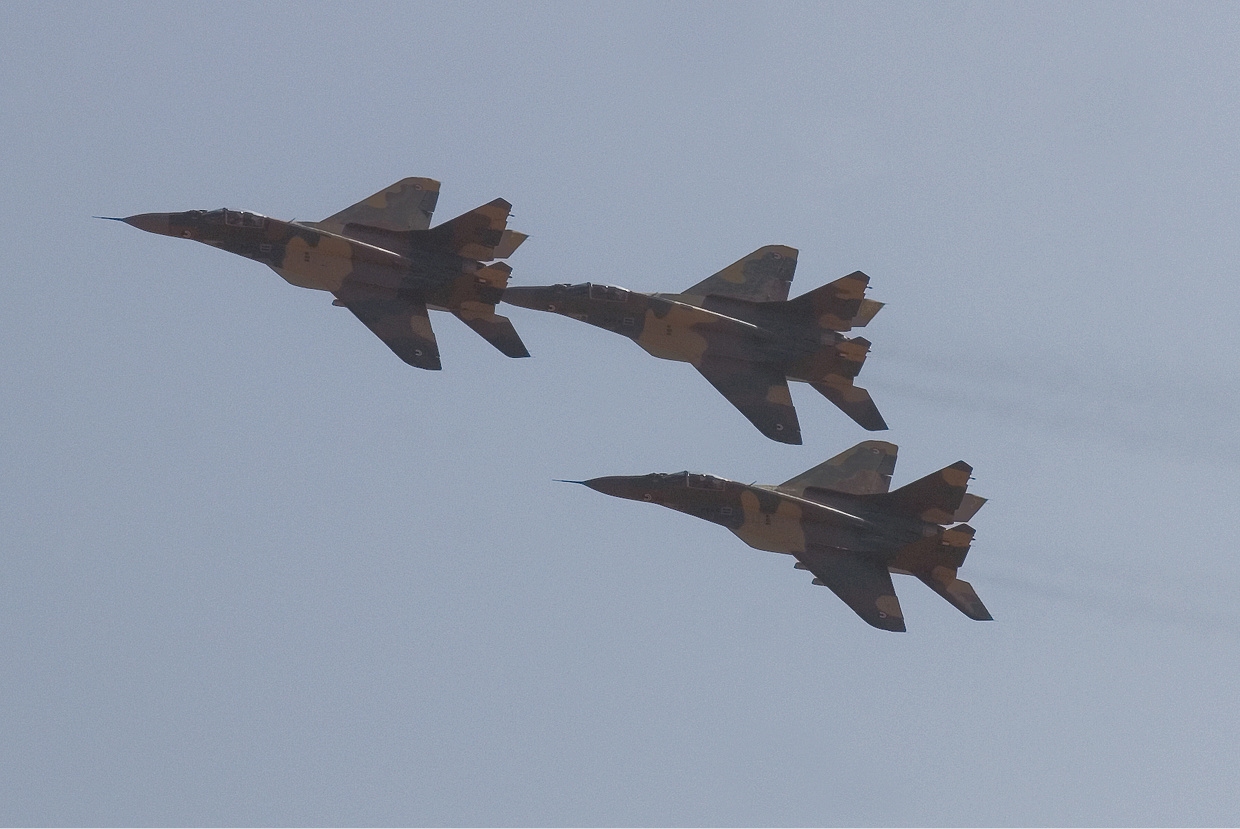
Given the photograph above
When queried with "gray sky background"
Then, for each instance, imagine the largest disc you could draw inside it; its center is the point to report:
(256, 570)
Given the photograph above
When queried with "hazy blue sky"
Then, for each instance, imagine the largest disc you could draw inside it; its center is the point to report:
(256, 570)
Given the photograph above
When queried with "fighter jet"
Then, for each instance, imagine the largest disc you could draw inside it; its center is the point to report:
(841, 523)
(381, 259)
(740, 330)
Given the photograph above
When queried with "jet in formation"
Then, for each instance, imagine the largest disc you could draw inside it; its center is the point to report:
(741, 332)
(381, 259)
(842, 524)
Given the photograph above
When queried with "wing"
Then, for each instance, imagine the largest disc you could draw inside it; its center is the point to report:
(761, 393)
(762, 276)
(402, 324)
(406, 205)
(863, 583)
(863, 470)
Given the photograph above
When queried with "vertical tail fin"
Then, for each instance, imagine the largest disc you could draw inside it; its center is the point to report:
(935, 498)
(839, 305)
(478, 233)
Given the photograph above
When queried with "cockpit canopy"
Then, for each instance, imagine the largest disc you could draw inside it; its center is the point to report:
(608, 293)
(234, 218)
(691, 480)
(702, 481)
(594, 291)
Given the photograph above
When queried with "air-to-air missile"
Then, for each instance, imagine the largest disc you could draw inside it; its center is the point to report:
(740, 330)
(381, 259)
(842, 524)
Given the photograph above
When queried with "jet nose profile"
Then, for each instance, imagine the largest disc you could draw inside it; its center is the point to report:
(534, 298)
(622, 486)
(151, 222)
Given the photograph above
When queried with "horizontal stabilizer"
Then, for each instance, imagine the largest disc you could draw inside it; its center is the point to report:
(934, 498)
(969, 505)
(935, 561)
(959, 593)
(762, 276)
(837, 304)
(863, 470)
(869, 308)
(494, 328)
(509, 241)
(853, 401)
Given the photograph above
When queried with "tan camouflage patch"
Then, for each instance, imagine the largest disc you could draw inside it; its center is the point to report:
(778, 532)
(672, 336)
(323, 266)
(779, 395)
(889, 606)
(956, 477)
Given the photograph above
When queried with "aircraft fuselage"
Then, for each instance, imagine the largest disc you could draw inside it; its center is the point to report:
(310, 257)
(767, 519)
(671, 328)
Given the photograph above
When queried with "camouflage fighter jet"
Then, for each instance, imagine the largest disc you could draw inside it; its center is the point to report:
(381, 259)
(841, 523)
(740, 330)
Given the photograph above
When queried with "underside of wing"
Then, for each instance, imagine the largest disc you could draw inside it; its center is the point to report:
(406, 205)
(759, 391)
(762, 276)
(863, 583)
(403, 325)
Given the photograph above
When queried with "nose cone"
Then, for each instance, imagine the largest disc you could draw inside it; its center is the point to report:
(635, 488)
(152, 223)
(536, 298)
